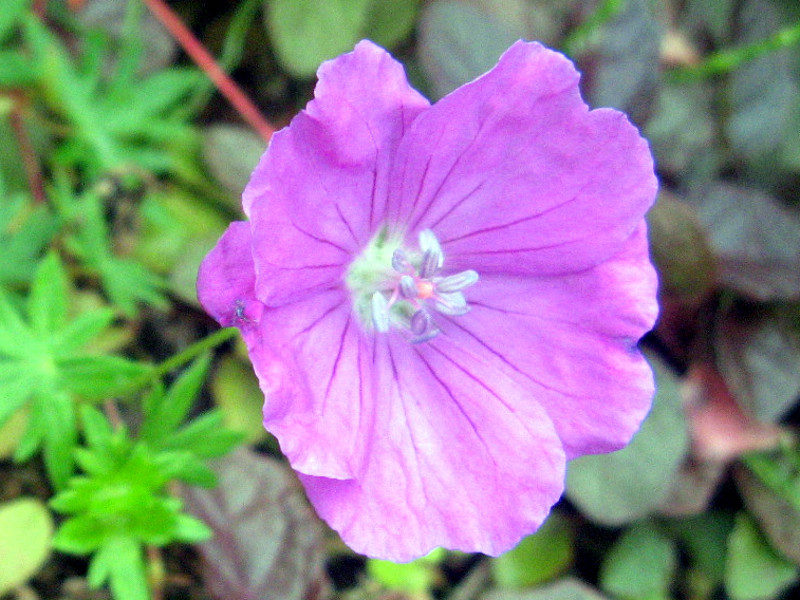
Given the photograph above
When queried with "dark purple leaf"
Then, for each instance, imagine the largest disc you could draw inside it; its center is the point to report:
(758, 353)
(756, 239)
(616, 76)
(763, 91)
(267, 541)
(458, 42)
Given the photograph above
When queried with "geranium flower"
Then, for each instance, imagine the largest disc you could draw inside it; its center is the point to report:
(442, 302)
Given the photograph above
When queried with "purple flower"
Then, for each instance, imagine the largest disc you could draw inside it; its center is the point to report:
(442, 303)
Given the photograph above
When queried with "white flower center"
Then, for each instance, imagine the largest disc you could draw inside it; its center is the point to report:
(393, 287)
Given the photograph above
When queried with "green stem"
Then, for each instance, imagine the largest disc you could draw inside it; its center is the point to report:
(725, 61)
(184, 356)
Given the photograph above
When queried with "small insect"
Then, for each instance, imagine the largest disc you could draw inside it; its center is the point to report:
(239, 309)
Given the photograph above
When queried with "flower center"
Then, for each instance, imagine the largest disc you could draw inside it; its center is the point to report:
(394, 287)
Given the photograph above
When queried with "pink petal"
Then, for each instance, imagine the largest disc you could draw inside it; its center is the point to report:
(319, 191)
(226, 280)
(515, 174)
(450, 460)
(571, 340)
(316, 404)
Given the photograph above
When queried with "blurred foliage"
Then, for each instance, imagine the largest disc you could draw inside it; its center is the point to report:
(119, 169)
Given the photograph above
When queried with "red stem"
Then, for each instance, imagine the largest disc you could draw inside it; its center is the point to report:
(40, 8)
(206, 62)
(28, 153)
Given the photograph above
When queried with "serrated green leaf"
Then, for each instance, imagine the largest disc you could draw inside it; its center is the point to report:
(22, 246)
(16, 339)
(10, 16)
(26, 529)
(99, 377)
(61, 435)
(640, 565)
(78, 535)
(168, 412)
(16, 387)
(33, 436)
(128, 577)
(753, 570)
(47, 302)
(191, 530)
(81, 330)
(206, 437)
(307, 32)
(96, 427)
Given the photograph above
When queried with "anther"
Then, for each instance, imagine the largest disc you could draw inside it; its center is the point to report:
(408, 287)
(400, 262)
(421, 322)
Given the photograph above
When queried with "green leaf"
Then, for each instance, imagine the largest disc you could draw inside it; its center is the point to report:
(26, 530)
(47, 302)
(307, 32)
(16, 340)
(99, 377)
(206, 437)
(96, 427)
(123, 566)
(21, 243)
(237, 394)
(640, 565)
(631, 483)
(754, 571)
(81, 330)
(15, 69)
(389, 21)
(78, 535)
(167, 412)
(9, 17)
(231, 153)
(415, 577)
(61, 435)
(16, 387)
(191, 530)
(704, 538)
(537, 558)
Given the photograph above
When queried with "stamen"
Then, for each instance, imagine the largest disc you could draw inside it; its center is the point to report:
(457, 282)
(453, 304)
(380, 312)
